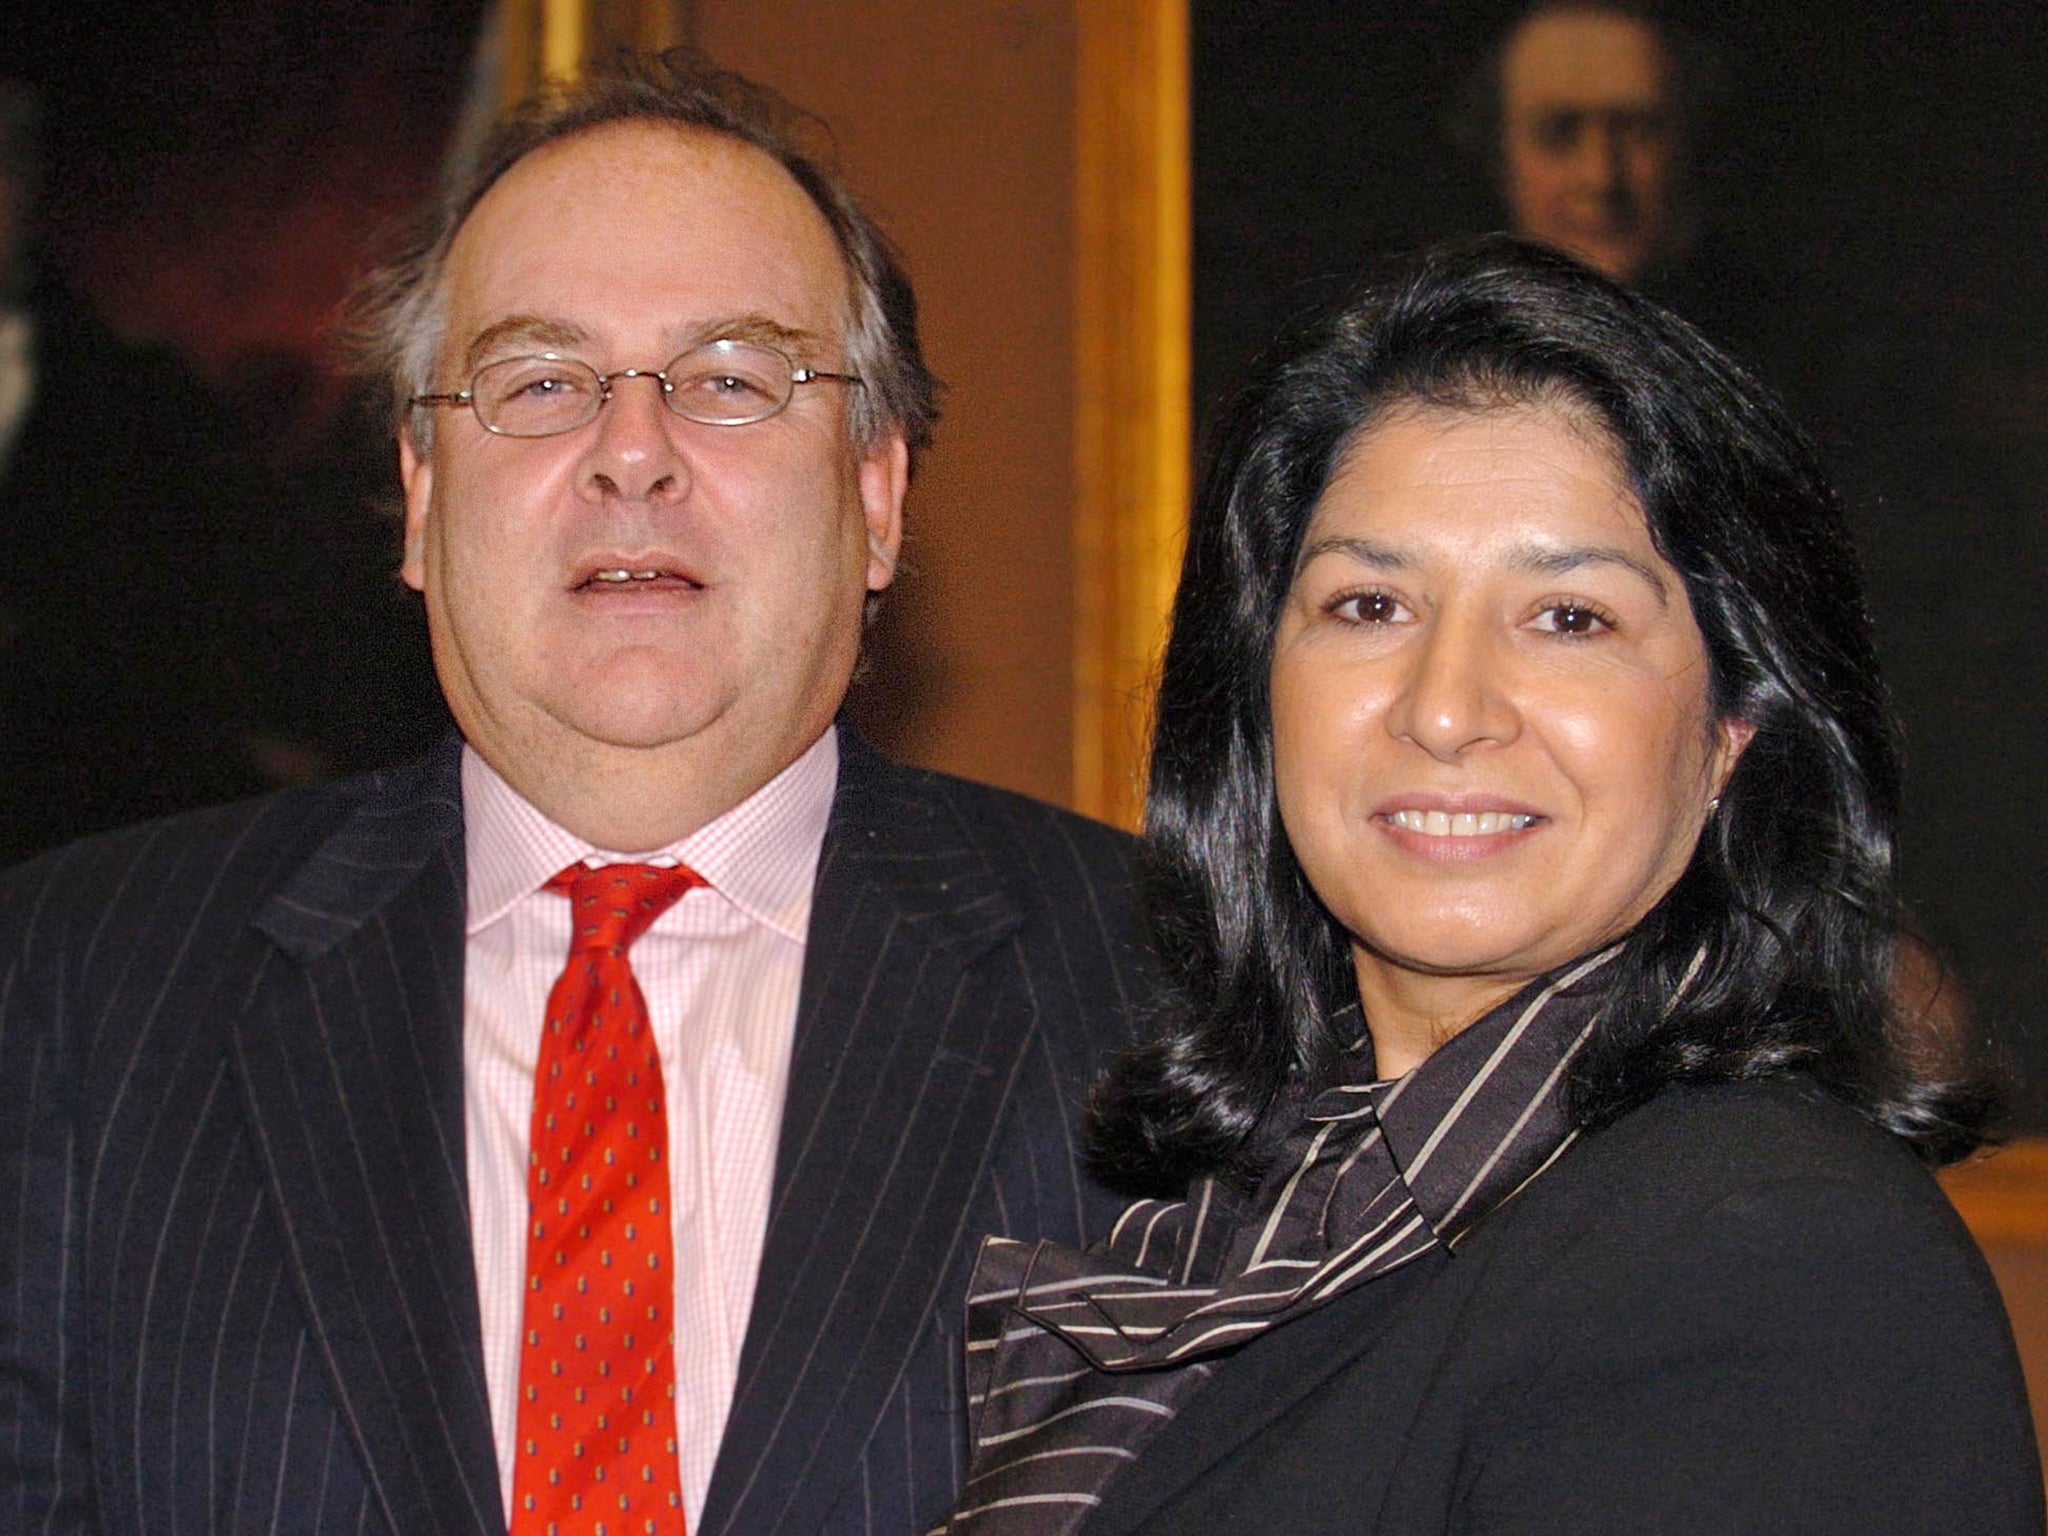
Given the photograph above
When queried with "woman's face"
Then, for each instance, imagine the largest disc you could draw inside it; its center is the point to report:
(1491, 729)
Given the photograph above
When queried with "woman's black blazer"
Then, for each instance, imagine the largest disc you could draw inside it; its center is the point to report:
(1739, 1309)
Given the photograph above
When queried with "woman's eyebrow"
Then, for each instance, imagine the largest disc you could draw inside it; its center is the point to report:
(1547, 560)
(1366, 551)
(1541, 560)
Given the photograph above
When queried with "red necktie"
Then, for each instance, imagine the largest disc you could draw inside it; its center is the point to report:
(597, 1419)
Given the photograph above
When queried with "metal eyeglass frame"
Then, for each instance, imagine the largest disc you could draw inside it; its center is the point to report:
(669, 396)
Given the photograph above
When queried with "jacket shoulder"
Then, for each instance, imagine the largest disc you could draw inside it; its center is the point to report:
(1746, 1275)
(146, 898)
(1042, 854)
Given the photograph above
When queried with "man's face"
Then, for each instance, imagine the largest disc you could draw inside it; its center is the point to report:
(1592, 158)
(623, 247)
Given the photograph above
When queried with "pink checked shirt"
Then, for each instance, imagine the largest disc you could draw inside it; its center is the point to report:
(720, 970)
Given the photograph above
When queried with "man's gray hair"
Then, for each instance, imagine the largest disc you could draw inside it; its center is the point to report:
(398, 315)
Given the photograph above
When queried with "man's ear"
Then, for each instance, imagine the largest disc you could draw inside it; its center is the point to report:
(416, 474)
(884, 478)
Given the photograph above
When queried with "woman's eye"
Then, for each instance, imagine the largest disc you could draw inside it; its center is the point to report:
(1368, 608)
(1573, 619)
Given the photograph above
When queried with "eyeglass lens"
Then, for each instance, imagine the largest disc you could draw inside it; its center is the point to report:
(724, 383)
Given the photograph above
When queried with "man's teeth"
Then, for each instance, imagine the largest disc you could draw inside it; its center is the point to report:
(1459, 823)
(619, 575)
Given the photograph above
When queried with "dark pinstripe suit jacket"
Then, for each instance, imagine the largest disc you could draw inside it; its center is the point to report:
(236, 1285)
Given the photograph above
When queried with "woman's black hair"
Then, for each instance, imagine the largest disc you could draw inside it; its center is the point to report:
(1786, 915)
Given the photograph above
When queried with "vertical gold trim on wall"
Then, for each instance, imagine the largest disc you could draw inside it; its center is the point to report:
(540, 39)
(563, 36)
(1131, 358)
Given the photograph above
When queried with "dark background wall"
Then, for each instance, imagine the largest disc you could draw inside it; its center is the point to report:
(221, 168)
(1875, 217)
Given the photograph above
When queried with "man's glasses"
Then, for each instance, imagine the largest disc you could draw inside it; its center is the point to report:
(722, 384)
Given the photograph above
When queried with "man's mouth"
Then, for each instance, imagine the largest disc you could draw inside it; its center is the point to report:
(623, 578)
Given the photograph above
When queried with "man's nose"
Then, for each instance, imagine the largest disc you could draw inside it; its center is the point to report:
(633, 453)
(1602, 150)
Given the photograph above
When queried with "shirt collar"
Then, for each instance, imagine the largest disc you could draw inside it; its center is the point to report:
(761, 855)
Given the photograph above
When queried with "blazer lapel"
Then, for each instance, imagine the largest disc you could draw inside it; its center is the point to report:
(1257, 1388)
(896, 1082)
(350, 1053)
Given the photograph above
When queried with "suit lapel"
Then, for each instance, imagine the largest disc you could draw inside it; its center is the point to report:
(350, 1054)
(896, 1082)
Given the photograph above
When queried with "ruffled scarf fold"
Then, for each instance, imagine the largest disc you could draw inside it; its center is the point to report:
(1076, 1359)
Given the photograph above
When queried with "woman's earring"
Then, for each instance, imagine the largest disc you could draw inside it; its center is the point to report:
(1713, 805)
